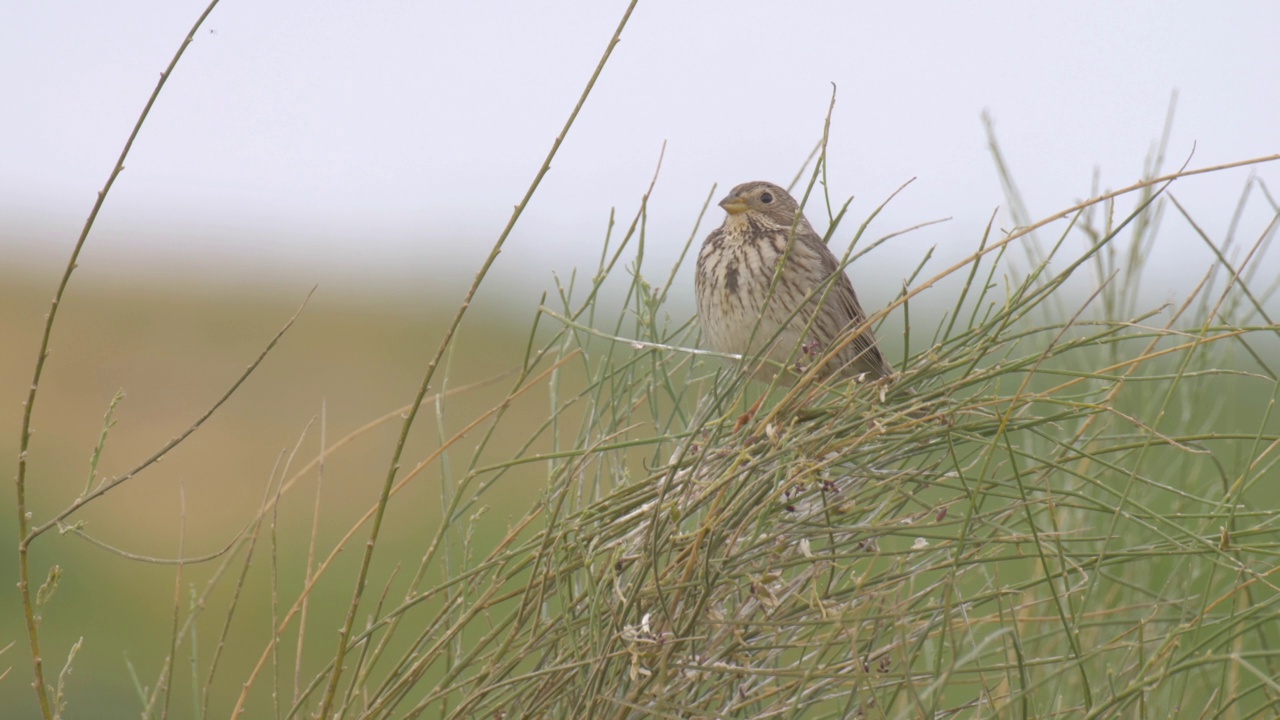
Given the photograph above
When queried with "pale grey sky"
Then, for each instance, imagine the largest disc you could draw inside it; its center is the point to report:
(393, 137)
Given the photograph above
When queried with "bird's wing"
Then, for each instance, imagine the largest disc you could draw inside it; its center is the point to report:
(841, 298)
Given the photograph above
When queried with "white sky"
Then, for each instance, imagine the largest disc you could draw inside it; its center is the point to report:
(392, 137)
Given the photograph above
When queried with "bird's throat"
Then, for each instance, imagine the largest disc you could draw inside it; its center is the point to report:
(737, 228)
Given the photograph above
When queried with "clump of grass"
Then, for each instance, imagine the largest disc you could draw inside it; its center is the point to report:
(1045, 527)
(1046, 515)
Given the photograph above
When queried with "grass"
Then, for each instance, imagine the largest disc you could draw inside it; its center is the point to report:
(1060, 535)
(1057, 509)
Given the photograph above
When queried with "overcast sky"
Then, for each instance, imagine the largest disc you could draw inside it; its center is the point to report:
(393, 137)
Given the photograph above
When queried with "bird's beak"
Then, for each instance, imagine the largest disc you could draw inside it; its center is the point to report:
(733, 205)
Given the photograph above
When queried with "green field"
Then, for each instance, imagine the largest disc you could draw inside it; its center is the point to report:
(173, 353)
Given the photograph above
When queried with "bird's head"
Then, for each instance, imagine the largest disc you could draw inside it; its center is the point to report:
(762, 201)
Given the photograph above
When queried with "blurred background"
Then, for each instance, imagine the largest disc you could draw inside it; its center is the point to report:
(375, 150)
(347, 142)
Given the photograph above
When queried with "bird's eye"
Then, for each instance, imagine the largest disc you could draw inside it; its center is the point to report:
(766, 198)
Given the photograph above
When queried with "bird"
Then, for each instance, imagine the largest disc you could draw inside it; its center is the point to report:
(809, 312)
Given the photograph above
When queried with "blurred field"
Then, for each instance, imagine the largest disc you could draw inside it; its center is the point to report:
(173, 350)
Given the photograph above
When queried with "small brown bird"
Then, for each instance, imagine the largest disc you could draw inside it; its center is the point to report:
(736, 269)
